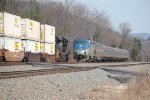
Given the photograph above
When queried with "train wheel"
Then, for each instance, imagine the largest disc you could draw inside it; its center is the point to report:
(2, 59)
(42, 60)
(25, 59)
(66, 59)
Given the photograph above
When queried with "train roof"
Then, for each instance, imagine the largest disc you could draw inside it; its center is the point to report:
(112, 47)
(84, 39)
(60, 38)
(81, 39)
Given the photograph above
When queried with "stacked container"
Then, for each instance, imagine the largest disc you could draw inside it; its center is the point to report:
(10, 33)
(30, 30)
(10, 36)
(31, 46)
(48, 33)
(25, 39)
(48, 41)
(30, 35)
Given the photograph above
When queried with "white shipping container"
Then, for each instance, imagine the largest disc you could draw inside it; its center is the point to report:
(11, 44)
(50, 48)
(10, 25)
(48, 33)
(42, 47)
(30, 29)
(31, 46)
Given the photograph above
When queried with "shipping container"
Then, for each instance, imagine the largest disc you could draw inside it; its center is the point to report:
(31, 46)
(10, 25)
(42, 47)
(50, 48)
(30, 29)
(11, 44)
(48, 33)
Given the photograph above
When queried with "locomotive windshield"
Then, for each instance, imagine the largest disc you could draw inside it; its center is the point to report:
(61, 44)
(80, 44)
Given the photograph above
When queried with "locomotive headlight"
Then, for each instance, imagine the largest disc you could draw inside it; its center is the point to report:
(85, 52)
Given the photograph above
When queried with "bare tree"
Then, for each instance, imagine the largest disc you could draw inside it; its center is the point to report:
(146, 50)
(104, 32)
(125, 28)
(10, 6)
(70, 18)
(126, 40)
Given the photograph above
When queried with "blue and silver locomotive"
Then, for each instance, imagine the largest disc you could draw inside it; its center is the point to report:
(87, 50)
(83, 49)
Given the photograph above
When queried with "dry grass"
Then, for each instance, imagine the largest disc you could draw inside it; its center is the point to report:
(103, 93)
(137, 89)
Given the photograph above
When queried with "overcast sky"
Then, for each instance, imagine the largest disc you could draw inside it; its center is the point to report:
(136, 12)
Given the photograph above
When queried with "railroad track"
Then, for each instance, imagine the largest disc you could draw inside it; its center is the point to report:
(17, 74)
(101, 64)
(125, 65)
(12, 63)
(40, 63)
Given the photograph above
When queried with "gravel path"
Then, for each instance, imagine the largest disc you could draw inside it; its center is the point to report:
(66, 86)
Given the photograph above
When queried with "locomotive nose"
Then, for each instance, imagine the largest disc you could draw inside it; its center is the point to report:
(80, 52)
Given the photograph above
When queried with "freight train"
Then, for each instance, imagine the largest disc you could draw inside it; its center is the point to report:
(87, 50)
(61, 54)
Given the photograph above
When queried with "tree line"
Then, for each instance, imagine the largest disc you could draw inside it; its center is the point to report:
(73, 19)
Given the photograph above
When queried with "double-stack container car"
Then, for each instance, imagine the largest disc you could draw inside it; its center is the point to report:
(48, 42)
(25, 39)
(30, 30)
(10, 37)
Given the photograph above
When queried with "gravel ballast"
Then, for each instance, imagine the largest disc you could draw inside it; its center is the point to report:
(37, 66)
(20, 68)
(64, 86)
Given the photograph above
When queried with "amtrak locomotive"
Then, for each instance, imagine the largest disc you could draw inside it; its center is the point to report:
(87, 50)
(84, 49)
